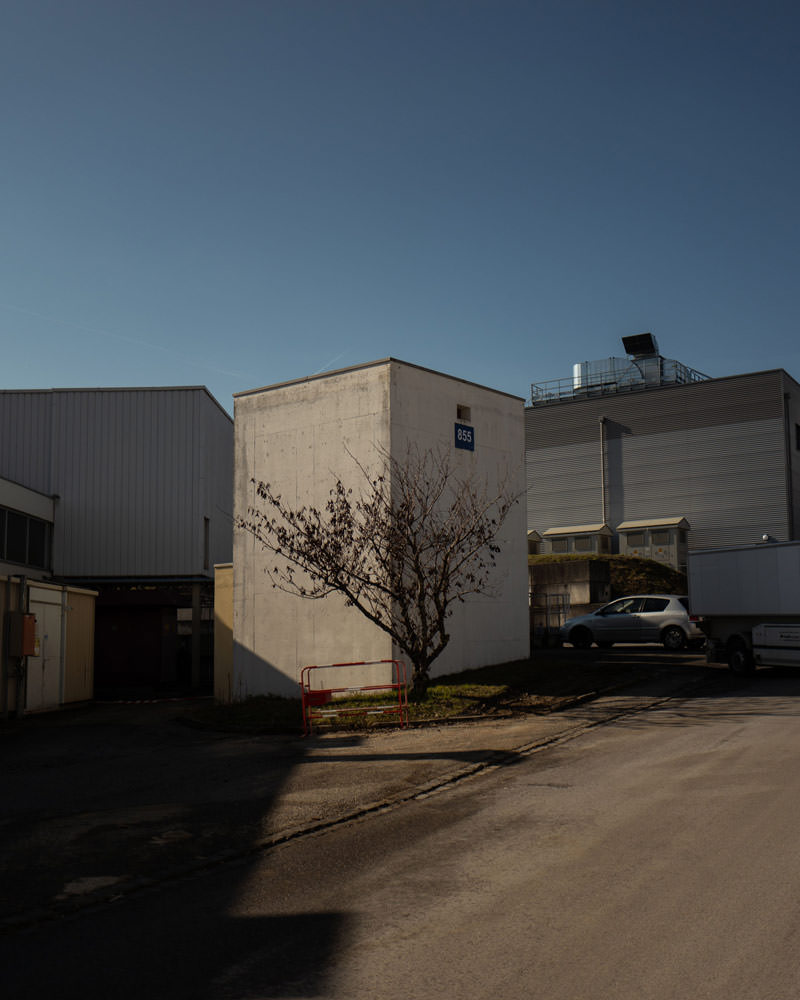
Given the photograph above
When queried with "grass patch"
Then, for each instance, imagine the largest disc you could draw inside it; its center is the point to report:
(545, 683)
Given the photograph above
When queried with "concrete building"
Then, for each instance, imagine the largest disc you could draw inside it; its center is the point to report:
(300, 436)
(645, 456)
(127, 493)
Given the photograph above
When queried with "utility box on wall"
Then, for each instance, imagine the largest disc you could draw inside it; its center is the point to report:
(21, 634)
(56, 640)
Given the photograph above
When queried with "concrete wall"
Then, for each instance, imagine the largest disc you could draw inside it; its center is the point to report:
(300, 437)
(424, 407)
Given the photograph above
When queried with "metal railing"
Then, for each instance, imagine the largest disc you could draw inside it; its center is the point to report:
(612, 382)
(319, 703)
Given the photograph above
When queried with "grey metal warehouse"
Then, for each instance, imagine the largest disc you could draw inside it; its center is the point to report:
(643, 455)
(126, 492)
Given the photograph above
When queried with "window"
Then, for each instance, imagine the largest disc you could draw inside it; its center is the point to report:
(605, 543)
(655, 604)
(37, 542)
(635, 539)
(16, 537)
(463, 412)
(583, 543)
(797, 436)
(559, 545)
(206, 543)
(660, 537)
(24, 539)
(624, 606)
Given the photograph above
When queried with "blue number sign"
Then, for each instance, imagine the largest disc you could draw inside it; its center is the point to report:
(465, 437)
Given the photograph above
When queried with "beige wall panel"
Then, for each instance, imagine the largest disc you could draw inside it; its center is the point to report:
(9, 601)
(44, 683)
(79, 651)
(223, 632)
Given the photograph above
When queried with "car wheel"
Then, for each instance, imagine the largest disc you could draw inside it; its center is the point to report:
(740, 659)
(581, 637)
(673, 637)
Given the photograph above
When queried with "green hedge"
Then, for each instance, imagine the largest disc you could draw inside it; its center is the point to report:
(629, 574)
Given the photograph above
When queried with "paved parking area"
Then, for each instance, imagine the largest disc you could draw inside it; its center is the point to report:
(109, 798)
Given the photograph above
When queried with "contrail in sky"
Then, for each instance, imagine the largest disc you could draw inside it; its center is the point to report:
(123, 337)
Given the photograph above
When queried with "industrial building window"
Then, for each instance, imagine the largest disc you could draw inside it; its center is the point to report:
(660, 537)
(797, 436)
(37, 542)
(16, 537)
(24, 539)
(463, 412)
(635, 539)
(583, 543)
(206, 543)
(560, 545)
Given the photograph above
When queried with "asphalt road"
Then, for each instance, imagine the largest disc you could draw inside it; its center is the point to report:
(651, 855)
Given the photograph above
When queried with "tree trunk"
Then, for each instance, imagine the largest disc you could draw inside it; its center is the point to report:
(421, 680)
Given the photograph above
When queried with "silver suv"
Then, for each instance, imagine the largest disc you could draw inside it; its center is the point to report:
(643, 618)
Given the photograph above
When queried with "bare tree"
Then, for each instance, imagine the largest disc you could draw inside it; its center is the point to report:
(418, 538)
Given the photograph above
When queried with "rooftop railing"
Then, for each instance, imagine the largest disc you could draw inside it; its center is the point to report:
(609, 383)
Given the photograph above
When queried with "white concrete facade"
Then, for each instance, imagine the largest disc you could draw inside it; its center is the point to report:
(303, 435)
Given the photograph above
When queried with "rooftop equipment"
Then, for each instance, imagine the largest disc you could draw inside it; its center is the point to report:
(644, 368)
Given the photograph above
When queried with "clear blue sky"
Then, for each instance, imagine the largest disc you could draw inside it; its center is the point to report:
(240, 192)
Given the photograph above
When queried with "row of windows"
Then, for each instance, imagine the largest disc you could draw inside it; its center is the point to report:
(639, 538)
(24, 539)
(581, 543)
(634, 539)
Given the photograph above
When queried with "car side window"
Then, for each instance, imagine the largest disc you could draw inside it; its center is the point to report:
(655, 604)
(626, 606)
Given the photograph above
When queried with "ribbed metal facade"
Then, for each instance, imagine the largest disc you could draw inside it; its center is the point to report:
(137, 473)
(722, 453)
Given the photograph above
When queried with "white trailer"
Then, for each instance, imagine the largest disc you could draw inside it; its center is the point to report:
(748, 598)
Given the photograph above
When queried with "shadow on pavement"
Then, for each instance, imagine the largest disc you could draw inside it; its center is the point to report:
(97, 804)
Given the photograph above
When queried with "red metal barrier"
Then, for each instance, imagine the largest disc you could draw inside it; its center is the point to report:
(314, 698)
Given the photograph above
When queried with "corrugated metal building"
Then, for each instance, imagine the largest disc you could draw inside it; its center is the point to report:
(142, 482)
(666, 464)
